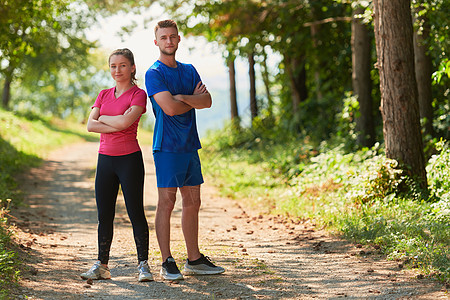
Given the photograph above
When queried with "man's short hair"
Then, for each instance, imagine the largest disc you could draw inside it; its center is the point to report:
(166, 24)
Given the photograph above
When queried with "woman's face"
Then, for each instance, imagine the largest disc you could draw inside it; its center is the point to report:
(121, 68)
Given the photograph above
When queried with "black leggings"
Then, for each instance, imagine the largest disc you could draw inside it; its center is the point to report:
(128, 171)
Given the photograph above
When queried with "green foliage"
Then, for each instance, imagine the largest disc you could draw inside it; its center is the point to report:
(23, 140)
(433, 16)
(439, 185)
(360, 195)
(39, 38)
(405, 230)
(380, 178)
(110, 7)
(345, 120)
(8, 259)
(441, 79)
(444, 69)
(65, 93)
(241, 27)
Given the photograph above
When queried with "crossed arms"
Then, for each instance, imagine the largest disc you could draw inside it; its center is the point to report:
(171, 105)
(179, 104)
(108, 124)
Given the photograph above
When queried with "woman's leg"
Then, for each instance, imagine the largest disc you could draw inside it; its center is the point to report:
(131, 174)
(106, 189)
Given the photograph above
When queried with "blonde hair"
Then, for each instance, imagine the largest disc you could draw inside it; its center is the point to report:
(125, 52)
(166, 24)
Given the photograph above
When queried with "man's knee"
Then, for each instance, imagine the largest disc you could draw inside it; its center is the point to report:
(191, 196)
(167, 198)
(194, 203)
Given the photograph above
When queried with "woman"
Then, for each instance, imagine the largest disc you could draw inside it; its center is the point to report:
(115, 115)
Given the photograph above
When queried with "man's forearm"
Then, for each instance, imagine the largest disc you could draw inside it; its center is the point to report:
(198, 101)
(177, 107)
(171, 105)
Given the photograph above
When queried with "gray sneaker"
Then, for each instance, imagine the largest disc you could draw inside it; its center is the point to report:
(98, 271)
(202, 266)
(144, 272)
(170, 271)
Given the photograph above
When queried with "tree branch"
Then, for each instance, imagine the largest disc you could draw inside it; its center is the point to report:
(327, 20)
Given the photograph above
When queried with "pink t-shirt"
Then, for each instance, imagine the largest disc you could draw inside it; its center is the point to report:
(125, 141)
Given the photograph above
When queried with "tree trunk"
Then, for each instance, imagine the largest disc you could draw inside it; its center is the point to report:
(314, 31)
(297, 77)
(362, 84)
(399, 104)
(233, 95)
(266, 80)
(6, 91)
(251, 72)
(424, 72)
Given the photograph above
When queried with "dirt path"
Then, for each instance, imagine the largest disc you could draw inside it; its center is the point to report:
(266, 257)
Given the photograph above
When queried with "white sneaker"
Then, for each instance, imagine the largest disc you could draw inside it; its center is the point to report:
(144, 272)
(98, 271)
(202, 266)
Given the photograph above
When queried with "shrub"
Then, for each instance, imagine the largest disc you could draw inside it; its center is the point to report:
(8, 260)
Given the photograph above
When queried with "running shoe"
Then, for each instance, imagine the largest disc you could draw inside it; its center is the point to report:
(98, 271)
(169, 270)
(144, 272)
(202, 266)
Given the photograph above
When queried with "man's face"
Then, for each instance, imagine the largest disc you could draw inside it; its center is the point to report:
(167, 40)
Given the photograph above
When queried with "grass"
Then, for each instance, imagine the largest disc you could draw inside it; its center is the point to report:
(8, 258)
(355, 195)
(25, 140)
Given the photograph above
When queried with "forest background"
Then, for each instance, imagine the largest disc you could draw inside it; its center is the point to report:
(345, 121)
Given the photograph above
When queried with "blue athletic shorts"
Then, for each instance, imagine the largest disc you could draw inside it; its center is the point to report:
(177, 169)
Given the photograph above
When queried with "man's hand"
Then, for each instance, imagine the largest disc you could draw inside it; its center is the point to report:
(200, 89)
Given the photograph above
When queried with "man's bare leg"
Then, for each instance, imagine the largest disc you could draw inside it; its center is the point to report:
(189, 219)
(166, 203)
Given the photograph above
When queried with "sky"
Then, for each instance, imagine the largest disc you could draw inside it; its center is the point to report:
(205, 56)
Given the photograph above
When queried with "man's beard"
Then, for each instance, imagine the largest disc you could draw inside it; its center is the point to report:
(169, 53)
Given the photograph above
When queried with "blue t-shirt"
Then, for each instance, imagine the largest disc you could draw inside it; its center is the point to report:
(173, 133)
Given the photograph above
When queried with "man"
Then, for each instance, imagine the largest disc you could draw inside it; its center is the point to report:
(176, 91)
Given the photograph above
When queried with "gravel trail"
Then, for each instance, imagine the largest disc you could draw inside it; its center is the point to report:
(266, 257)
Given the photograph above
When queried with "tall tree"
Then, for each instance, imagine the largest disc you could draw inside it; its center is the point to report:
(23, 23)
(48, 36)
(266, 80)
(399, 104)
(252, 78)
(362, 83)
(296, 72)
(233, 95)
(424, 69)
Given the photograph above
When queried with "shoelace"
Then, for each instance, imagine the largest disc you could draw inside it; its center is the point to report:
(171, 267)
(208, 261)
